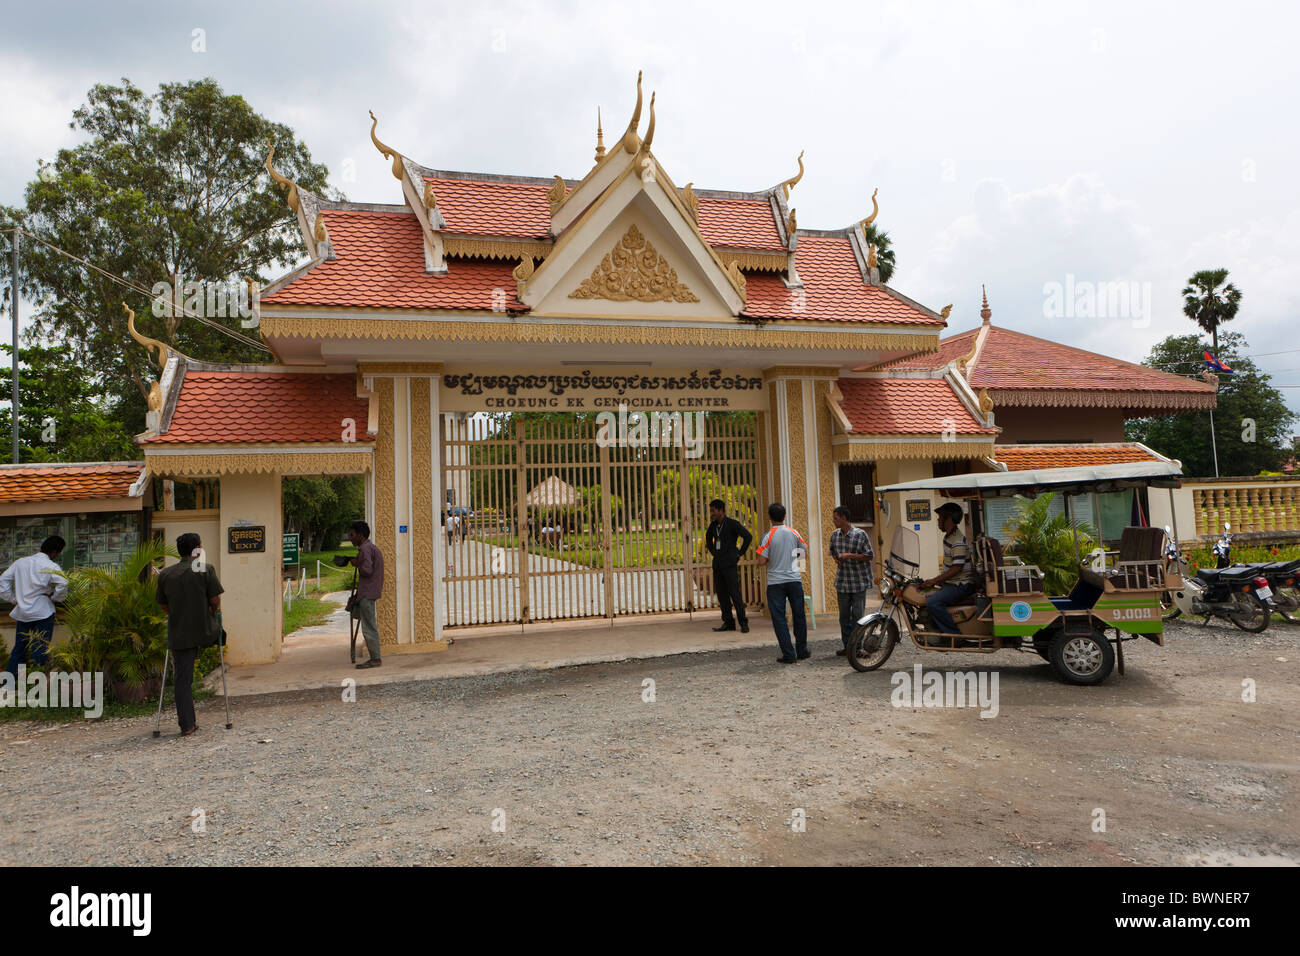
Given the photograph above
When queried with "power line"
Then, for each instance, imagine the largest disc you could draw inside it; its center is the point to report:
(135, 288)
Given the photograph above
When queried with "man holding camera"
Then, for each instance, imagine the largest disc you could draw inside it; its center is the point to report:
(369, 562)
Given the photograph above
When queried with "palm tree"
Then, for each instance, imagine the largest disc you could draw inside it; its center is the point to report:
(1050, 542)
(1208, 305)
(884, 254)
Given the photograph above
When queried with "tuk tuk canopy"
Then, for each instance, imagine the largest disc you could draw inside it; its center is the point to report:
(1095, 478)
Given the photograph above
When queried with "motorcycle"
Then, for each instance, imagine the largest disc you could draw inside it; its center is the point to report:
(1236, 593)
(1283, 579)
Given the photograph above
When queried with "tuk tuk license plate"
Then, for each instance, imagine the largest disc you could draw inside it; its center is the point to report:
(1264, 593)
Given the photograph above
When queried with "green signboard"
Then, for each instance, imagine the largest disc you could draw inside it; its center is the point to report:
(291, 548)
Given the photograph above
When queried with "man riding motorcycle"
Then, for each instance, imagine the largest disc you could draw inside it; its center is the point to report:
(957, 581)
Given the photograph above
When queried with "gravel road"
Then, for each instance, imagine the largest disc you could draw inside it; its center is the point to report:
(573, 766)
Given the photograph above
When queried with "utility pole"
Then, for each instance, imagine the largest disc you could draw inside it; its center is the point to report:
(13, 289)
(1213, 442)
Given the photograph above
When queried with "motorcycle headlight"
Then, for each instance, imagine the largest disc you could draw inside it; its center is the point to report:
(886, 585)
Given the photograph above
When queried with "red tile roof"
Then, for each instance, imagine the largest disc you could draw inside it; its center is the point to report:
(906, 406)
(52, 482)
(1014, 360)
(481, 208)
(833, 290)
(380, 264)
(950, 349)
(739, 224)
(1031, 457)
(264, 407)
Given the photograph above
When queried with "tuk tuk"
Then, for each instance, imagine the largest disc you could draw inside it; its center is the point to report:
(1117, 597)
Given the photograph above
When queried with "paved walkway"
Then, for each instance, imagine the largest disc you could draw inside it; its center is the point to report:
(317, 657)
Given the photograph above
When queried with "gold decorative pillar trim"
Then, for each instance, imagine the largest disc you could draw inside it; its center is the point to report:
(452, 328)
(495, 248)
(921, 449)
(286, 463)
(384, 533)
(424, 521)
(826, 475)
(800, 371)
(399, 368)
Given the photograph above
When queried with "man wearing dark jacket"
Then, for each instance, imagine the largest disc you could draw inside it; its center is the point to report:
(191, 595)
(726, 541)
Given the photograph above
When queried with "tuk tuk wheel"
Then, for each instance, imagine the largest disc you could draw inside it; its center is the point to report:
(1082, 658)
(871, 644)
(1168, 609)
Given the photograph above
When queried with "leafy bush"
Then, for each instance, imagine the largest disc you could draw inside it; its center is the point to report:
(1049, 543)
(115, 621)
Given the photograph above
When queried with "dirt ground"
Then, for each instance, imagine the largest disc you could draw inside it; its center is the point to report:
(573, 766)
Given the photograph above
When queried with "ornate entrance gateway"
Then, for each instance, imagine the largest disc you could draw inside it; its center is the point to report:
(555, 516)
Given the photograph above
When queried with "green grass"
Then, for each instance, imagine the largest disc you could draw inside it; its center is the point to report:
(331, 578)
(307, 612)
(631, 549)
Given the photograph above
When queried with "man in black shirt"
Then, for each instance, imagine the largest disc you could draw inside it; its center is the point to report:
(727, 540)
(191, 595)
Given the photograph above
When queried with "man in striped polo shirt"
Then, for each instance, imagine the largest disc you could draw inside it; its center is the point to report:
(784, 552)
(958, 579)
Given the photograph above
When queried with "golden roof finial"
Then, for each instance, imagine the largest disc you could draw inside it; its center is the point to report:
(986, 403)
(945, 311)
(875, 210)
(872, 262)
(282, 181)
(320, 232)
(790, 226)
(388, 151)
(523, 272)
(692, 201)
(650, 129)
(631, 141)
(793, 180)
(149, 344)
(969, 357)
(600, 138)
(430, 200)
(985, 312)
(555, 195)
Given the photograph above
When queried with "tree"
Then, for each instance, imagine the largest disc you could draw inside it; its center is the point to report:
(1252, 424)
(1210, 300)
(64, 415)
(168, 188)
(884, 254)
(321, 509)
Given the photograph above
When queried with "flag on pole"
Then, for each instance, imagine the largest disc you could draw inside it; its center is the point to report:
(1212, 363)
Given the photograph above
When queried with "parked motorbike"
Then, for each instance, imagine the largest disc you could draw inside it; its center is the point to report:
(1236, 593)
(1283, 579)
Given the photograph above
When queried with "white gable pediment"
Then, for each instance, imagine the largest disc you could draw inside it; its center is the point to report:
(634, 250)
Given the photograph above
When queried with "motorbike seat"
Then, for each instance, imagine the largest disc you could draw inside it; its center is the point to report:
(1231, 572)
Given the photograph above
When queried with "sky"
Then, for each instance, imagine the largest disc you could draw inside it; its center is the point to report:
(1079, 160)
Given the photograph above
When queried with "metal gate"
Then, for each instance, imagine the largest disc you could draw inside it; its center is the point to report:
(543, 521)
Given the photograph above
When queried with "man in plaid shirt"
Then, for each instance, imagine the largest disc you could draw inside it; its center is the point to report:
(851, 549)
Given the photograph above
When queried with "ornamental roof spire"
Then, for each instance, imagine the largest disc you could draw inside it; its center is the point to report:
(985, 312)
(600, 138)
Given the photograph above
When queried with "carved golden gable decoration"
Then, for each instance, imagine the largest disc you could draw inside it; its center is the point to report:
(633, 271)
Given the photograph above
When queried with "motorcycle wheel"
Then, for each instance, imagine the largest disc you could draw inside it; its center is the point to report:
(1251, 613)
(1291, 612)
(1168, 609)
(871, 644)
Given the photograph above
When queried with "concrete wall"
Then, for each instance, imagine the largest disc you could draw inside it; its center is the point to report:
(1030, 425)
(252, 606)
(206, 524)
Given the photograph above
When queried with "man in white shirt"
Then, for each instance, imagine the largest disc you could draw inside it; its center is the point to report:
(33, 584)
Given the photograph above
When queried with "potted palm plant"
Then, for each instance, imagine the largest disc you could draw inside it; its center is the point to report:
(1049, 542)
(116, 624)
